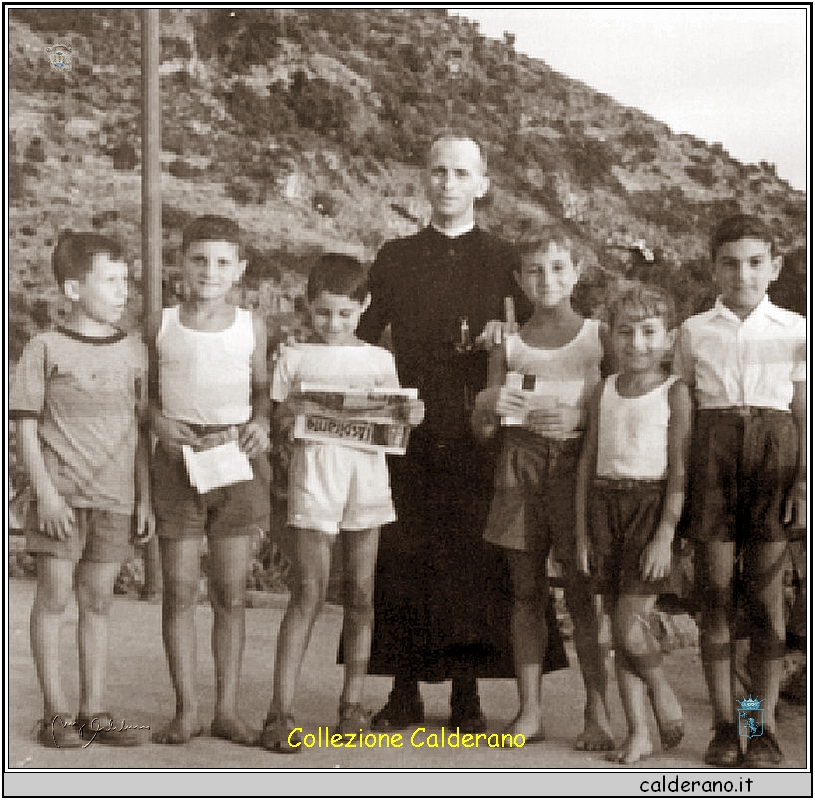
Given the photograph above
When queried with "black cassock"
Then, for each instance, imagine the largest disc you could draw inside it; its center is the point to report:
(442, 595)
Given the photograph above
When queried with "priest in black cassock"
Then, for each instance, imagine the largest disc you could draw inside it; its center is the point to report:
(442, 601)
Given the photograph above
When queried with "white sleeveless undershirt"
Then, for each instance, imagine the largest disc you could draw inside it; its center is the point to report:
(566, 375)
(633, 432)
(205, 377)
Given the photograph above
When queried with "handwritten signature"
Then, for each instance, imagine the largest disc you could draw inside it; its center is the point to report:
(95, 726)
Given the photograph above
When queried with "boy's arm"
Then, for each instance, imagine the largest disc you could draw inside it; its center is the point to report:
(26, 401)
(586, 467)
(494, 400)
(254, 436)
(172, 433)
(56, 518)
(607, 359)
(145, 521)
(655, 561)
(378, 314)
(795, 509)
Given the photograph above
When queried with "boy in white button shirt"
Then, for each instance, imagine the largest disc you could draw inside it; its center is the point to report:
(745, 360)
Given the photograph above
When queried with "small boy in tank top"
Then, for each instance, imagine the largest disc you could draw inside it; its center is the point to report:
(630, 491)
(532, 511)
(212, 390)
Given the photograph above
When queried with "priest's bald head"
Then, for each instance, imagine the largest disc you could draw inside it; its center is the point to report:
(456, 178)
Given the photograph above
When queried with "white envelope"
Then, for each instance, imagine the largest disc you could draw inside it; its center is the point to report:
(217, 466)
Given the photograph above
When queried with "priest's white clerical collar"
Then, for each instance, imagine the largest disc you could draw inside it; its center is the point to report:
(456, 232)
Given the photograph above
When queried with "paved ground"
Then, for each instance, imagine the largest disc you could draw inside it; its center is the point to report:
(140, 692)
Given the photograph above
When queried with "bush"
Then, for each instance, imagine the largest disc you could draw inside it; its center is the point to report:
(245, 191)
(35, 151)
(702, 174)
(124, 156)
(172, 47)
(183, 169)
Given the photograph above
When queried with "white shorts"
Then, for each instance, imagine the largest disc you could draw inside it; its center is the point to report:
(333, 488)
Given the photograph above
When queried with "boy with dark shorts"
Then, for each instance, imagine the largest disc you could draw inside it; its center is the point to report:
(77, 395)
(212, 390)
(745, 360)
(631, 488)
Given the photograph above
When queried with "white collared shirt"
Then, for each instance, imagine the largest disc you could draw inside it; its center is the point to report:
(731, 362)
(455, 232)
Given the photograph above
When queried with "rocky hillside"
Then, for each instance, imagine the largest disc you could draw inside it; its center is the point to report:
(309, 126)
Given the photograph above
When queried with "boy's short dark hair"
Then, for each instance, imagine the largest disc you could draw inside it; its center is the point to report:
(539, 240)
(460, 133)
(641, 300)
(741, 226)
(72, 258)
(212, 228)
(338, 274)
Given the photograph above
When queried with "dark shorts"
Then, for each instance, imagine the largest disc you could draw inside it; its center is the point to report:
(102, 537)
(741, 470)
(182, 513)
(624, 516)
(533, 508)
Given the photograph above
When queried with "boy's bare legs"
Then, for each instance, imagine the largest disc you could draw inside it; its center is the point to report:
(531, 593)
(586, 613)
(718, 564)
(312, 562)
(637, 744)
(228, 565)
(55, 578)
(180, 565)
(764, 573)
(359, 549)
(94, 592)
(639, 669)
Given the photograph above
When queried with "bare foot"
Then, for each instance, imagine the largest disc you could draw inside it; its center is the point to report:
(529, 726)
(595, 737)
(633, 749)
(671, 732)
(233, 729)
(183, 728)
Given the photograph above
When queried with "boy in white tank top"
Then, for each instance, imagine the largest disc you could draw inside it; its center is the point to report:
(212, 389)
(532, 510)
(630, 491)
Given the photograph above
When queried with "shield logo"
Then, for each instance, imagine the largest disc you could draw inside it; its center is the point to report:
(60, 56)
(750, 717)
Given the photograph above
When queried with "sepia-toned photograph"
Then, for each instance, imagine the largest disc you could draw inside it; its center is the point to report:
(404, 399)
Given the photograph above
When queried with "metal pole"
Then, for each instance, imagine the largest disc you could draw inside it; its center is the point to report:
(151, 178)
(151, 229)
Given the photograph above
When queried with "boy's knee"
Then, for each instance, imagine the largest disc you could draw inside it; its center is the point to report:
(532, 595)
(717, 600)
(310, 592)
(180, 595)
(92, 600)
(229, 596)
(636, 636)
(768, 633)
(50, 602)
(358, 597)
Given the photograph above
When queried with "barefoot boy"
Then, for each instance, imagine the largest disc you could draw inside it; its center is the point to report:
(745, 360)
(213, 389)
(76, 394)
(631, 486)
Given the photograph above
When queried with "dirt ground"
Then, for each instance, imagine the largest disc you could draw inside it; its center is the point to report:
(139, 691)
